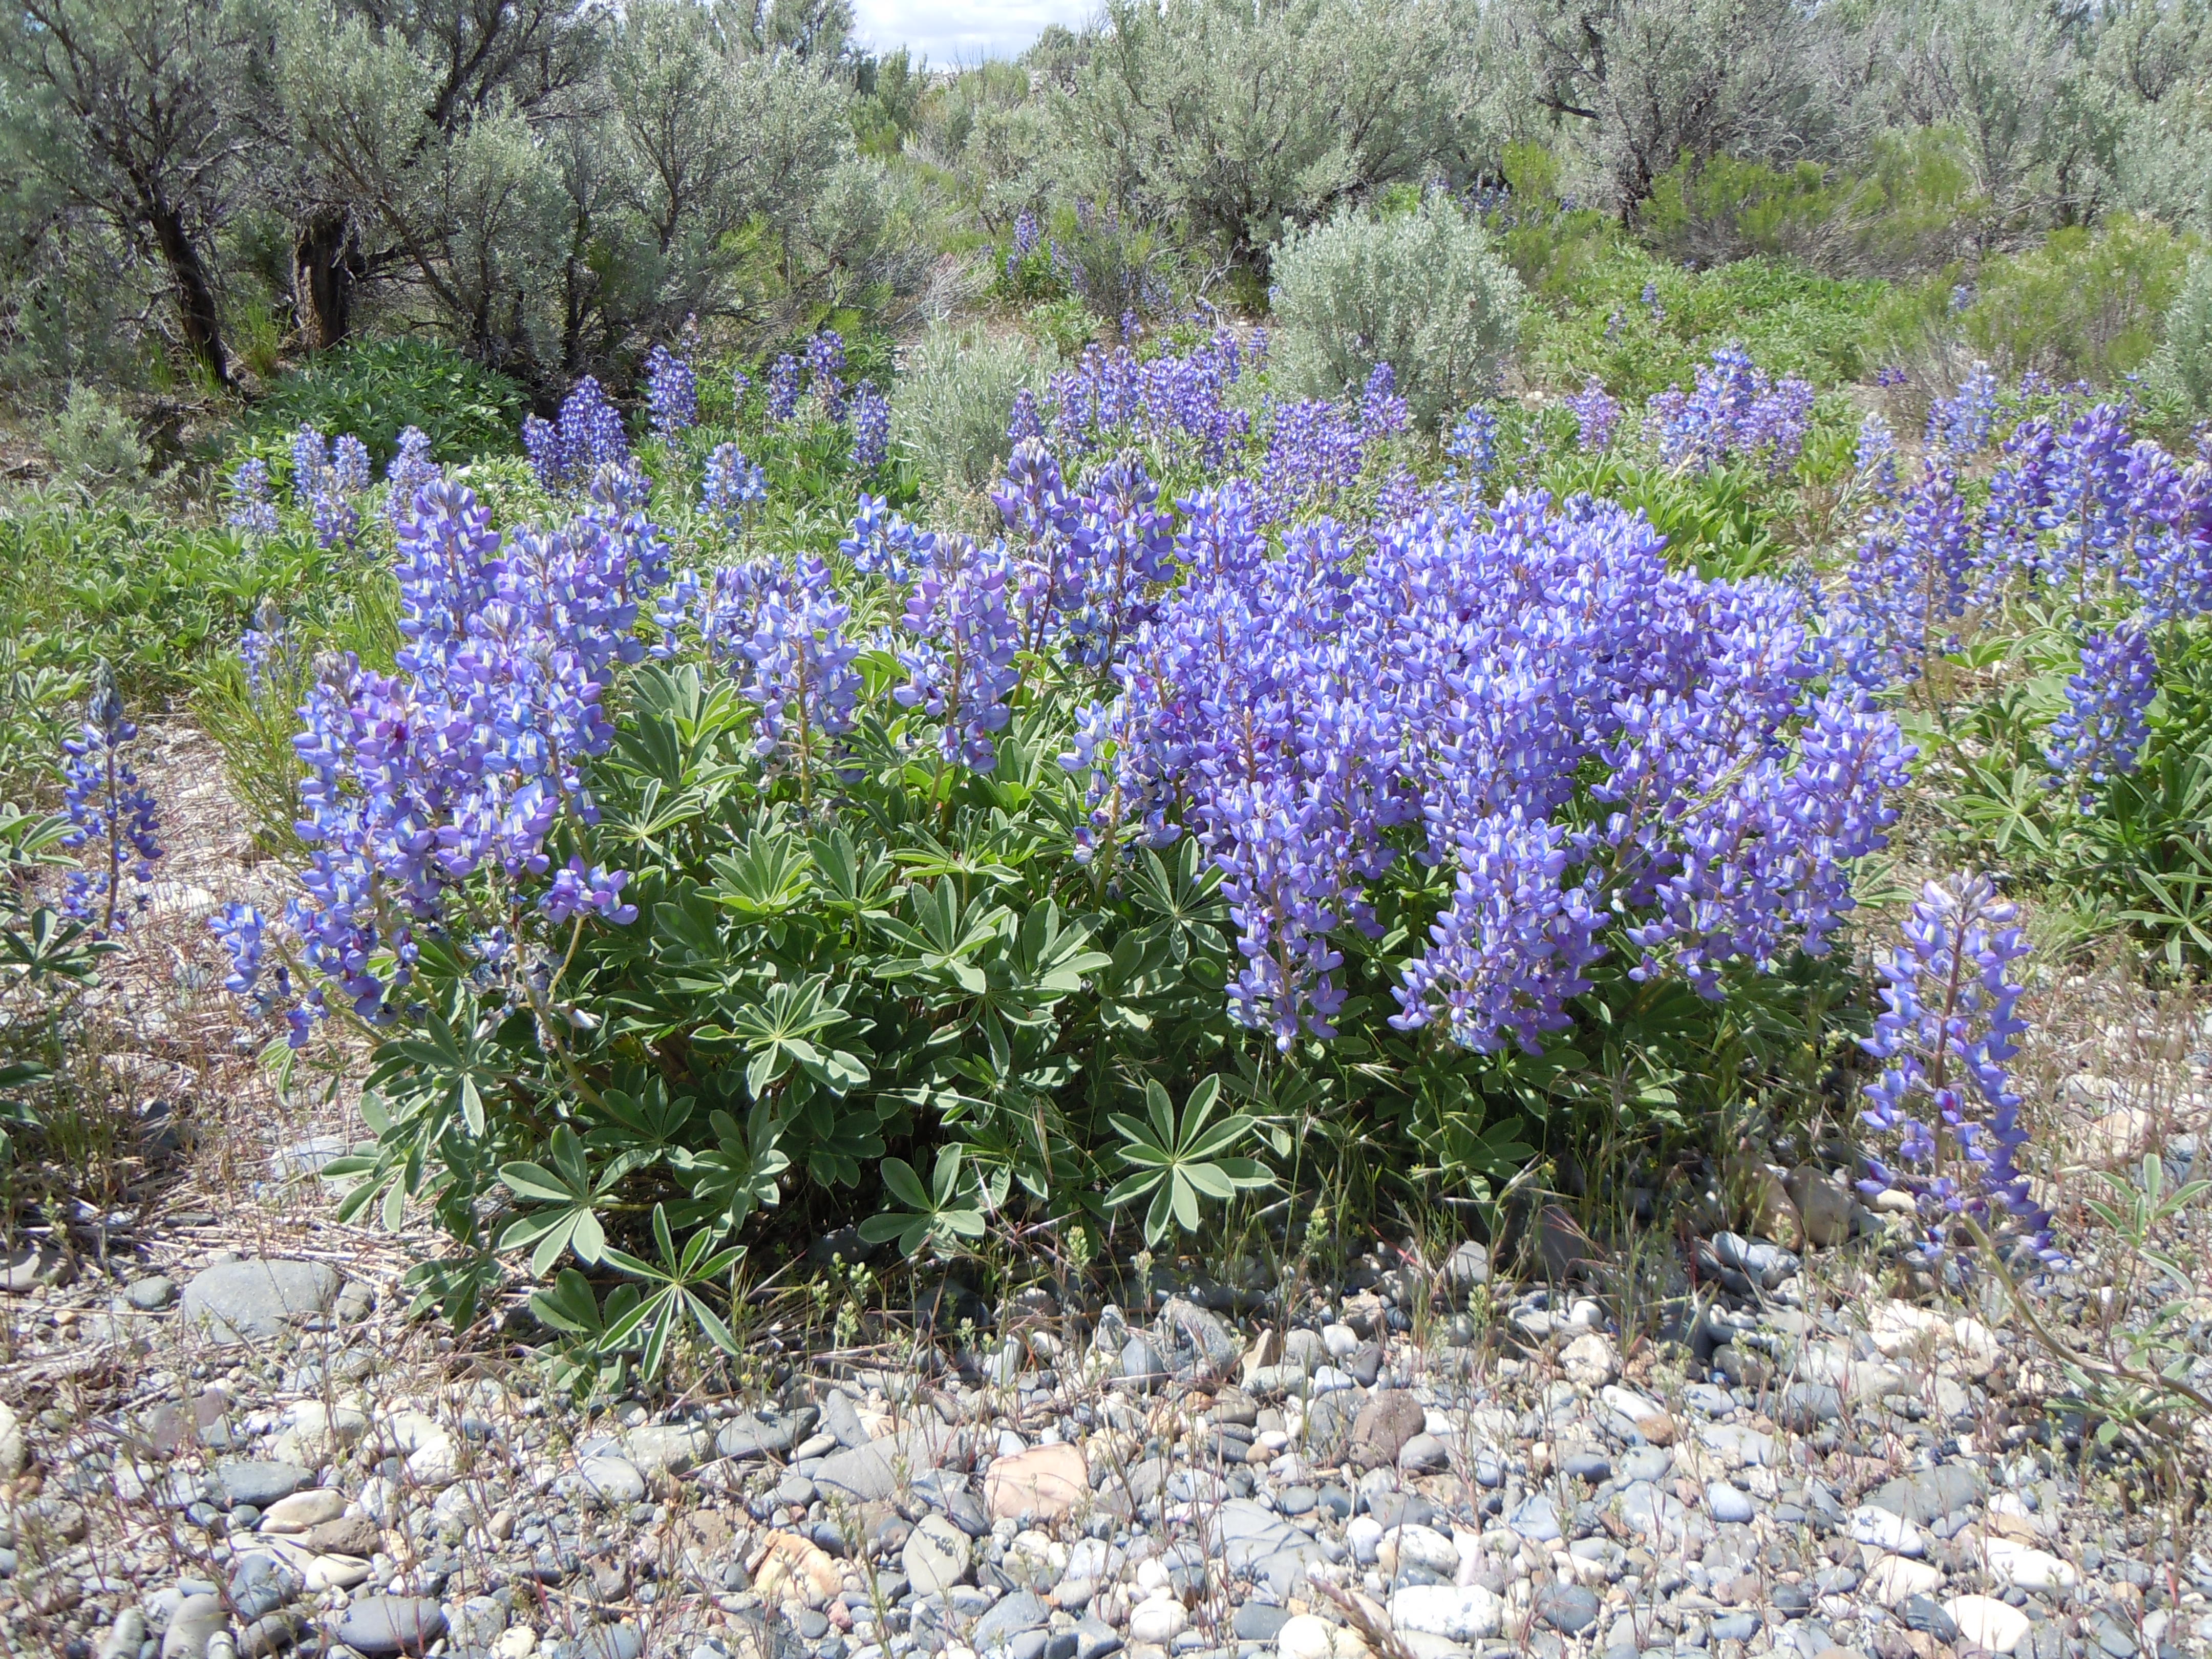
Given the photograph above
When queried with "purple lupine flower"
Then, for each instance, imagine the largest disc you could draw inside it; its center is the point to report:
(1178, 403)
(871, 415)
(1911, 578)
(311, 463)
(1608, 756)
(350, 471)
(1650, 298)
(591, 432)
(783, 388)
(541, 442)
(1382, 412)
(1473, 446)
(1948, 1030)
(1892, 375)
(801, 672)
(1596, 414)
(111, 816)
(1024, 422)
(740, 384)
(1874, 460)
(2105, 724)
(466, 757)
(960, 667)
(1966, 424)
(412, 468)
(825, 369)
(882, 543)
(252, 506)
(671, 392)
(733, 485)
(1733, 412)
(578, 891)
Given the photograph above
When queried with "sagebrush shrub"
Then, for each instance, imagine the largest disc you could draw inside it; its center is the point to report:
(950, 407)
(2184, 362)
(92, 442)
(1424, 292)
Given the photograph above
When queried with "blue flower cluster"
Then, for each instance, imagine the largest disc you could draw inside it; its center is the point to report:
(671, 392)
(111, 816)
(1734, 412)
(870, 412)
(412, 468)
(463, 760)
(252, 503)
(325, 477)
(1596, 413)
(2105, 726)
(1179, 403)
(1946, 1033)
(1599, 754)
(733, 486)
(589, 435)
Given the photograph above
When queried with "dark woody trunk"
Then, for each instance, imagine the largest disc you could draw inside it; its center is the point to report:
(195, 293)
(326, 265)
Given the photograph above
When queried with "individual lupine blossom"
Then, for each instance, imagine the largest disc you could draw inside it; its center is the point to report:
(243, 932)
(112, 820)
(1473, 448)
(1024, 240)
(1091, 558)
(960, 666)
(1874, 463)
(2106, 721)
(1650, 297)
(1382, 412)
(870, 413)
(1735, 411)
(800, 659)
(311, 460)
(825, 369)
(671, 392)
(1911, 576)
(1966, 424)
(1024, 422)
(732, 486)
(1546, 705)
(1597, 412)
(783, 388)
(252, 504)
(1947, 1031)
(269, 650)
(880, 543)
(578, 891)
(412, 468)
(1892, 375)
(565, 455)
(465, 757)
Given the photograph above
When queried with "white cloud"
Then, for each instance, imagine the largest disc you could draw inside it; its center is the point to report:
(954, 31)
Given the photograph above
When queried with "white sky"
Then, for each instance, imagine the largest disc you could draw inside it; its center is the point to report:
(954, 31)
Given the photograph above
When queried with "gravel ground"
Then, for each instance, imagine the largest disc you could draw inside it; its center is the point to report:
(240, 1456)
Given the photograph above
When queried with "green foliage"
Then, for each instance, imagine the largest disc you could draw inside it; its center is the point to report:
(2083, 305)
(93, 443)
(2184, 362)
(949, 409)
(1240, 123)
(376, 389)
(1176, 1160)
(1421, 290)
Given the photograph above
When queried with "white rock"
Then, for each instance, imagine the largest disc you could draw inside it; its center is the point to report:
(1590, 1360)
(1895, 1579)
(14, 1455)
(936, 1555)
(515, 1642)
(1897, 1327)
(434, 1456)
(1885, 1531)
(1417, 1546)
(1341, 1340)
(193, 1626)
(1726, 1503)
(1303, 1638)
(1364, 1534)
(303, 1510)
(1160, 1619)
(1988, 1623)
(1472, 1613)
(2011, 1562)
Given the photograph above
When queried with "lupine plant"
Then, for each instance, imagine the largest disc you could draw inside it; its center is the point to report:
(113, 825)
(1945, 1100)
(1139, 800)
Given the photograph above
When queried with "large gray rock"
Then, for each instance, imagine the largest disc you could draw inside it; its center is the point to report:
(254, 1301)
(870, 1474)
(381, 1626)
(1023, 1610)
(259, 1484)
(1387, 1420)
(936, 1556)
(757, 1436)
(1928, 1496)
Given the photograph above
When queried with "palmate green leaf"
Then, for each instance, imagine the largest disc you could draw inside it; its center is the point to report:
(1178, 1161)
